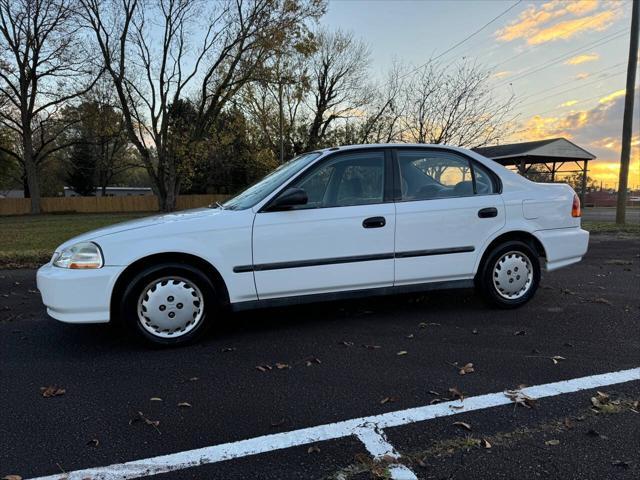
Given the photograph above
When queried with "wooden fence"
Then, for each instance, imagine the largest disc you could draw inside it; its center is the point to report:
(138, 203)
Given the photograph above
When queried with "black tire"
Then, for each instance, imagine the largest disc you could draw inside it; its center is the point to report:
(183, 274)
(485, 278)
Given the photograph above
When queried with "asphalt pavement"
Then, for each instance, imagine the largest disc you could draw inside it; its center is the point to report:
(608, 214)
(339, 361)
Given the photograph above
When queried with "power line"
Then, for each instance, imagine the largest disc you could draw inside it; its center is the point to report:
(479, 30)
(560, 58)
(546, 90)
(468, 37)
(540, 45)
(613, 74)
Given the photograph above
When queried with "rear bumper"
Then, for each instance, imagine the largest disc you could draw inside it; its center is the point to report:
(563, 246)
(77, 296)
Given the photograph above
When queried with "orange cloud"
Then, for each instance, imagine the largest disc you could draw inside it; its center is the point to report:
(502, 74)
(612, 96)
(584, 58)
(571, 28)
(596, 129)
(535, 25)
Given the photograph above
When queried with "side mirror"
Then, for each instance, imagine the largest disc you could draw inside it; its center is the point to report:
(289, 198)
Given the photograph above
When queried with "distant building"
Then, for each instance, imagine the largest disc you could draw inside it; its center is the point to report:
(11, 193)
(114, 192)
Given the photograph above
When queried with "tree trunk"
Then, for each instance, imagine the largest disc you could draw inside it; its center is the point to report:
(25, 186)
(166, 187)
(31, 172)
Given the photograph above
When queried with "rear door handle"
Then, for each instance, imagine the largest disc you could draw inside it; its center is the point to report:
(374, 222)
(488, 212)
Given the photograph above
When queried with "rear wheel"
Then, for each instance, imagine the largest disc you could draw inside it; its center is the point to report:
(510, 274)
(169, 304)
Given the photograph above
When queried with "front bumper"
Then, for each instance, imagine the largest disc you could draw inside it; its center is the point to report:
(563, 246)
(77, 296)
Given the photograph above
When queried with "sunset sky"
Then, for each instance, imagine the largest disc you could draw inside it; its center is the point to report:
(565, 61)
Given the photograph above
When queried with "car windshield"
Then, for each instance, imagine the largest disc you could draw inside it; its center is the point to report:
(259, 191)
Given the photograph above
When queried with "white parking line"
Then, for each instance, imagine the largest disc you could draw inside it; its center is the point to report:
(363, 428)
(375, 441)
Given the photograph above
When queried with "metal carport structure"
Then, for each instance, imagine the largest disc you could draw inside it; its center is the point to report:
(553, 154)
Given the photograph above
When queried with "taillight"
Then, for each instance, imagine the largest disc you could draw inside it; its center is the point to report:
(575, 208)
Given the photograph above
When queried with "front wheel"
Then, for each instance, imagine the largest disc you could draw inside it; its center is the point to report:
(510, 274)
(169, 304)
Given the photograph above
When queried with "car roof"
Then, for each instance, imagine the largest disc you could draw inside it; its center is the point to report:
(388, 145)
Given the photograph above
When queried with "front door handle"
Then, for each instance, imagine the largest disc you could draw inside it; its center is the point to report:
(374, 222)
(488, 212)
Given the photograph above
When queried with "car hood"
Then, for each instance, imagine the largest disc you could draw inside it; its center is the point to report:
(141, 223)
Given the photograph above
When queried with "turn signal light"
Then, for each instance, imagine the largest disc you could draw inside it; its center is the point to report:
(575, 208)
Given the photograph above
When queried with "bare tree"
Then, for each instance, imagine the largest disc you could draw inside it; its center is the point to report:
(43, 66)
(454, 107)
(339, 83)
(382, 122)
(213, 48)
(276, 101)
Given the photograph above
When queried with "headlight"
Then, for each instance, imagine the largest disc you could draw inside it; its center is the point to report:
(80, 255)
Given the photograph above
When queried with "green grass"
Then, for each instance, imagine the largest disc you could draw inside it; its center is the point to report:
(611, 227)
(28, 241)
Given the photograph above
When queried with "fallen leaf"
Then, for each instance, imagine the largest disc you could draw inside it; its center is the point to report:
(485, 443)
(464, 425)
(557, 358)
(401, 353)
(12, 477)
(552, 442)
(313, 449)
(435, 400)
(94, 442)
(410, 335)
(433, 392)
(312, 360)
(228, 349)
(600, 399)
(387, 400)
(615, 261)
(468, 368)
(372, 347)
(602, 300)
(194, 379)
(346, 344)
(425, 325)
(456, 407)
(52, 391)
(142, 418)
(520, 333)
(184, 405)
(155, 399)
(282, 366)
(520, 398)
(264, 368)
(455, 393)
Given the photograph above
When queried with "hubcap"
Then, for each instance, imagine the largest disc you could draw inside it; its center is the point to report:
(170, 307)
(513, 275)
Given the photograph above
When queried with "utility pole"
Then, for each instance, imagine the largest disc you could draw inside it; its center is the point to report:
(627, 122)
(281, 120)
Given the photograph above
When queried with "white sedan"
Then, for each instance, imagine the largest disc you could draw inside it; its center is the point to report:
(342, 222)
